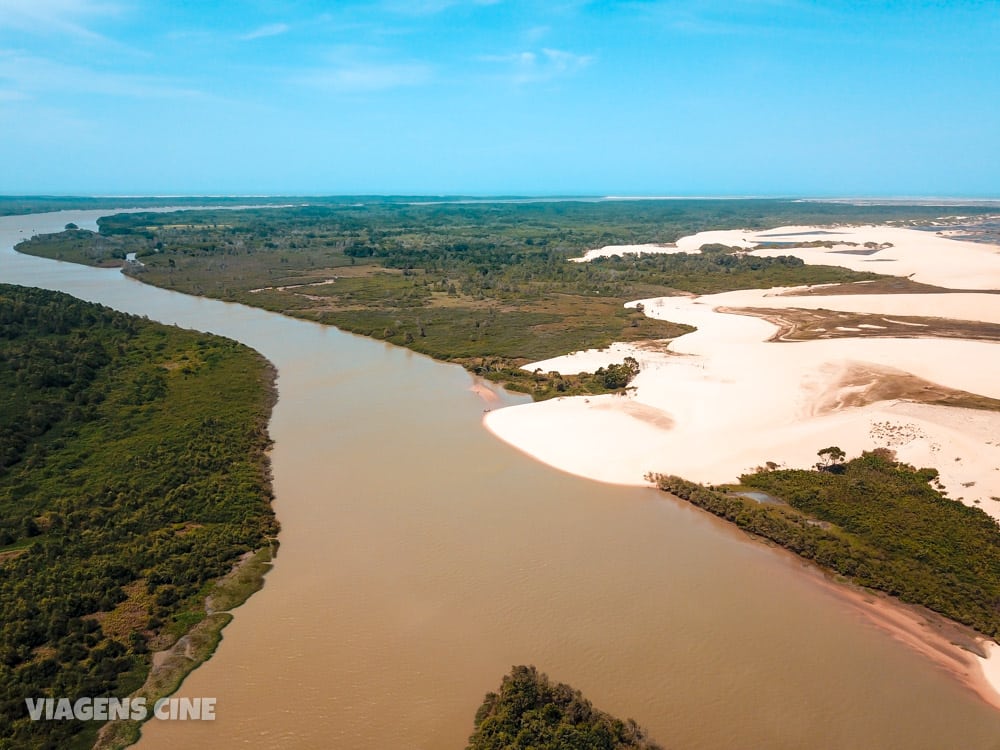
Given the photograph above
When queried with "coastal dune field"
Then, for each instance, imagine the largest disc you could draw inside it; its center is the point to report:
(731, 396)
(926, 257)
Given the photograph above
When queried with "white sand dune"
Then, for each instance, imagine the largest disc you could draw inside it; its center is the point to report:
(926, 257)
(737, 401)
(991, 665)
(723, 400)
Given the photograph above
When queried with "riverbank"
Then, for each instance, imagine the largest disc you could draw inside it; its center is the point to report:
(960, 651)
(728, 398)
(147, 479)
(172, 665)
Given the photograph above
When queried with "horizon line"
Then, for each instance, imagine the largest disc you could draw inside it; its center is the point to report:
(481, 197)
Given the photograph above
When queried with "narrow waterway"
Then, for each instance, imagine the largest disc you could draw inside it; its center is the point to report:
(421, 558)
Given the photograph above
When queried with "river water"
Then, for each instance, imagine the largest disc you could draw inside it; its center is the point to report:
(421, 558)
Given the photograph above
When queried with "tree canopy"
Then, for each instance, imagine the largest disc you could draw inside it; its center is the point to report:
(132, 474)
(531, 713)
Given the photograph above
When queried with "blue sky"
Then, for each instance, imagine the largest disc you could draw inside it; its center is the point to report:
(643, 97)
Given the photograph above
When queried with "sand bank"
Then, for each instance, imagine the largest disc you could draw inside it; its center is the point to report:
(485, 392)
(723, 400)
(957, 649)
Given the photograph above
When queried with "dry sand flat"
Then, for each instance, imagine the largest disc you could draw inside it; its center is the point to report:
(724, 399)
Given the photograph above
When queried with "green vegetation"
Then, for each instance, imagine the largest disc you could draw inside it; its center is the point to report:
(132, 477)
(487, 285)
(542, 385)
(77, 245)
(877, 522)
(530, 713)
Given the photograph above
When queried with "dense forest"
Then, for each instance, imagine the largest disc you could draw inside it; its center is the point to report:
(877, 522)
(487, 285)
(532, 713)
(132, 475)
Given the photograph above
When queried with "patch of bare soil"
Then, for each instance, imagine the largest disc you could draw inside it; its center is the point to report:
(888, 285)
(797, 324)
(863, 384)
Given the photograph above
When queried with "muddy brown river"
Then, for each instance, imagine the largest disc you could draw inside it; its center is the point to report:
(420, 558)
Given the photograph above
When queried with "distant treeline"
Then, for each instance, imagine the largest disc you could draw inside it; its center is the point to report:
(132, 474)
(33, 204)
(877, 522)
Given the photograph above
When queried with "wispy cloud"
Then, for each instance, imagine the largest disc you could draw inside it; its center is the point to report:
(56, 16)
(429, 7)
(262, 32)
(544, 65)
(26, 74)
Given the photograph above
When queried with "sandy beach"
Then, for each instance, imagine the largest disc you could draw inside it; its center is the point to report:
(727, 398)
(954, 648)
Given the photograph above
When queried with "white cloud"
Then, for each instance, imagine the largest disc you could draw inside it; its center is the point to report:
(273, 29)
(55, 16)
(564, 62)
(544, 65)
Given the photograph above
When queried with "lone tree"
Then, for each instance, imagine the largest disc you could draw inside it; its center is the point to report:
(833, 460)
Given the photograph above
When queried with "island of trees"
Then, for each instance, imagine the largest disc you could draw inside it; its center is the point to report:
(531, 713)
(133, 476)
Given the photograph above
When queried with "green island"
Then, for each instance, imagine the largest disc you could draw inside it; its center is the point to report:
(874, 521)
(134, 505)
(531, 713)
(485, 285)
